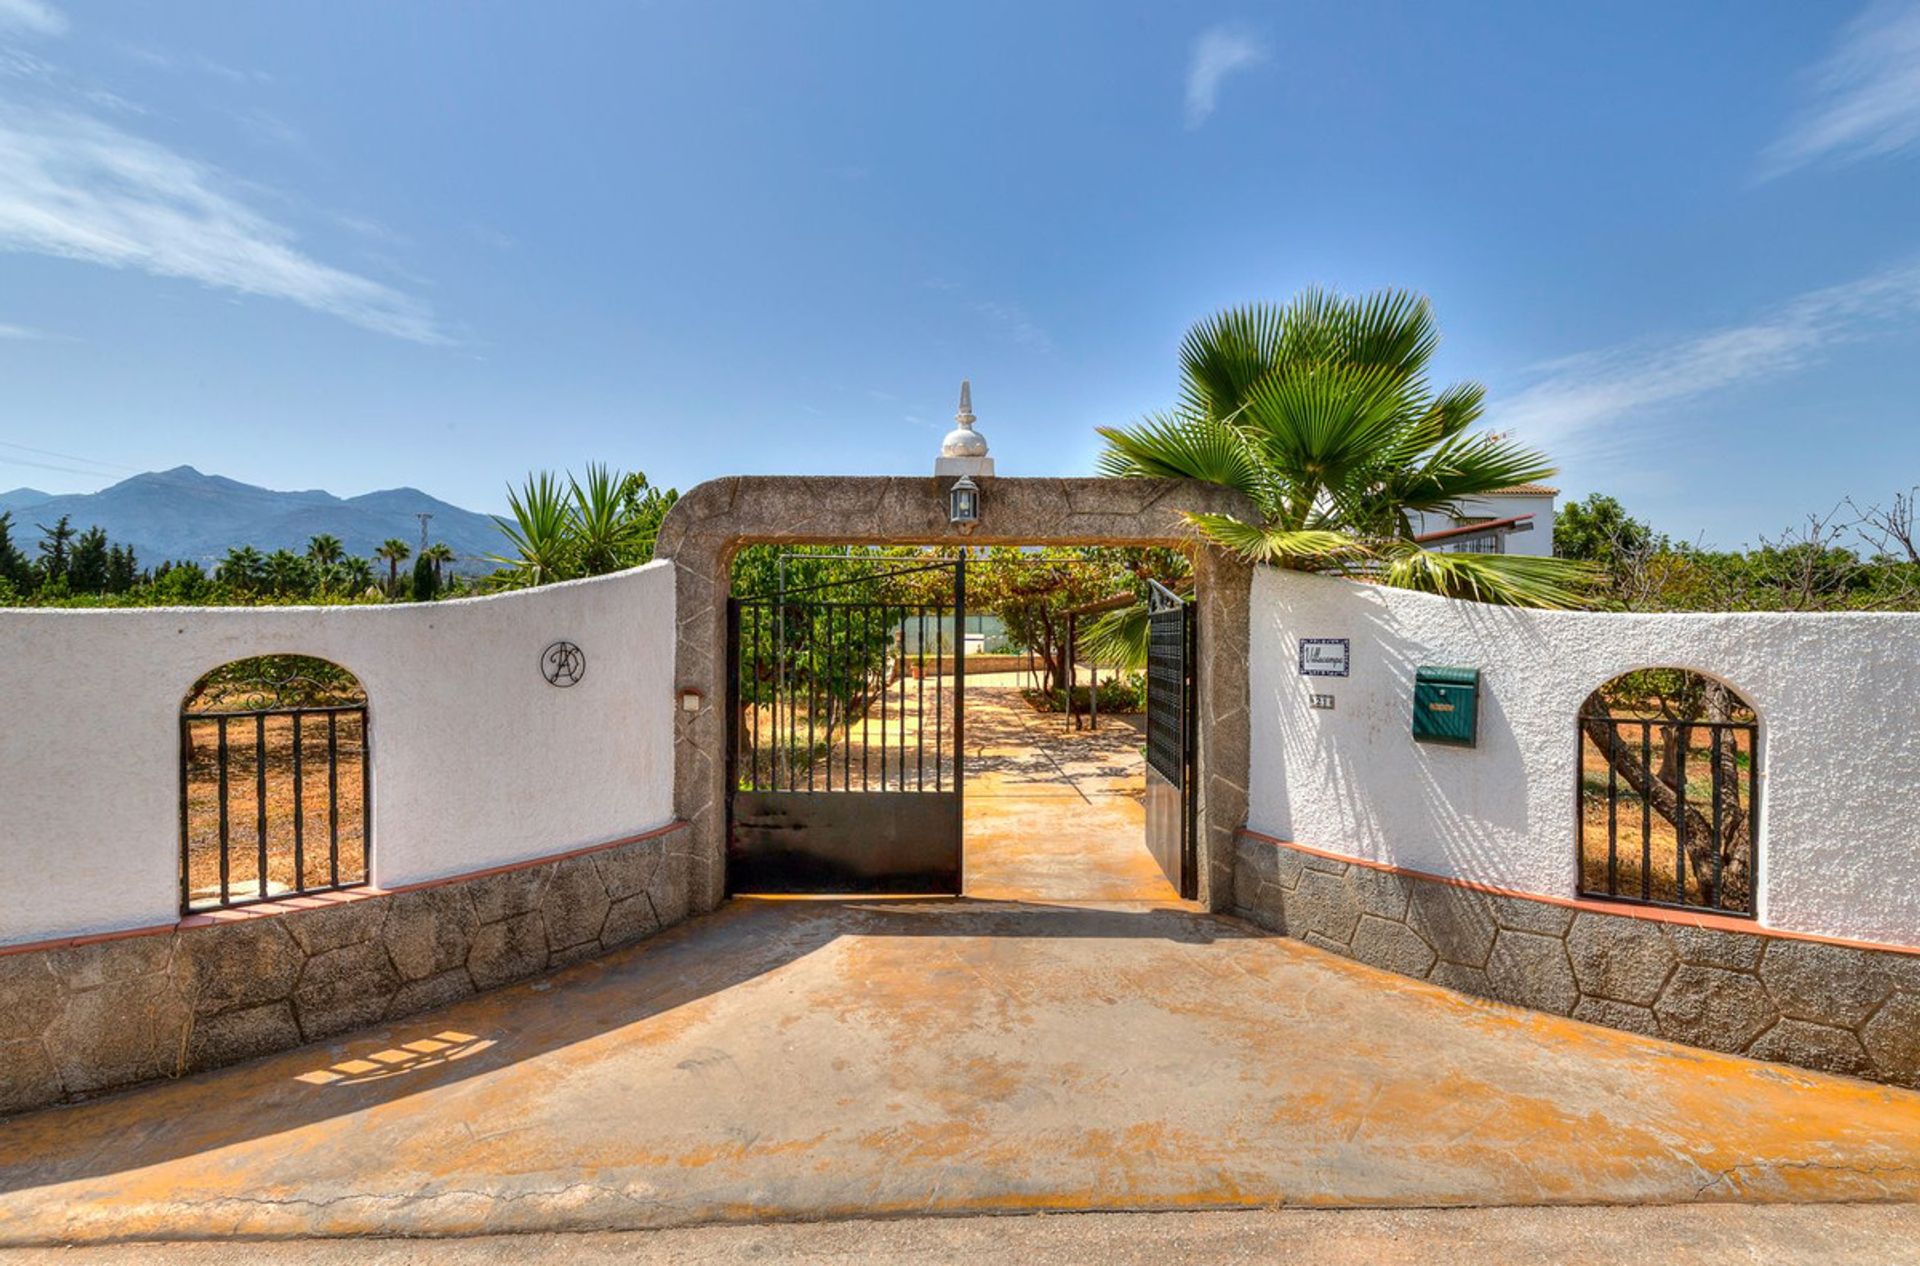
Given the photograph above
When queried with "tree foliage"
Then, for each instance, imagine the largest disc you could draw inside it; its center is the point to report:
(1847, 559)
(567, 530)
(1320, 412)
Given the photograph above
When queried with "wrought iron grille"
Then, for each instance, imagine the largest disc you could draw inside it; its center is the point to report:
(1168, 716)
(846, 696)
(273, 803)
(1667, 812)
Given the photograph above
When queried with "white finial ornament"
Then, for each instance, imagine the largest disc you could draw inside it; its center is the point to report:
(964, 451)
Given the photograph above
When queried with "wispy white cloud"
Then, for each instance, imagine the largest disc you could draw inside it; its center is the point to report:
(34, 17)
(1220, 51)
(1013, 321)
(190, 63)
(1587, 405)
(20, 333)
(1863, 98)
(75, 187)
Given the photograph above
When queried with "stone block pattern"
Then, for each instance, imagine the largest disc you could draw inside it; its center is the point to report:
(1834, 1008)
(79, 1020)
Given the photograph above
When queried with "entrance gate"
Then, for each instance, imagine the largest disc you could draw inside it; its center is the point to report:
(845, 733)
(1170, 738)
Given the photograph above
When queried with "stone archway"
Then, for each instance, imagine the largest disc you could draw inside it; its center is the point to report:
(713, 521)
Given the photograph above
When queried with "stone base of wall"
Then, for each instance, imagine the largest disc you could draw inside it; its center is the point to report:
(80, 1019)
(1831, 1007)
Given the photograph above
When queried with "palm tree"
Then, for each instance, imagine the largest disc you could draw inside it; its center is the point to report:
(1320, 412)
(242, 568)
(287, 572)
(393, 552)
(356, 574)
(325, 550)
(438, 553)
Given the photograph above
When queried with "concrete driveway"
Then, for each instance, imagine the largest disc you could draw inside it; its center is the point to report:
(826, 1059)
(1053, 813)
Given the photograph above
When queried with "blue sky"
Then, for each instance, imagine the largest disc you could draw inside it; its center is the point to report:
(358, 245)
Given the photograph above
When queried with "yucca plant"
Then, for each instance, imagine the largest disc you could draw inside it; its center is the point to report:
(603, 524)
(540, 532)
(1321, 413)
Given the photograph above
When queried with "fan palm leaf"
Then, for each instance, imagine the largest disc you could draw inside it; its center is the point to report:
(1259, 543)
(1321, 413)
(1181, 447)
(1515, 580)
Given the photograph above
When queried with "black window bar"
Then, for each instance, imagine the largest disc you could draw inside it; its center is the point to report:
(1641, 805)
(272, 752)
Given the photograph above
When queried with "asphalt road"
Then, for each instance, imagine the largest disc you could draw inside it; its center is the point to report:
(1778, 1235)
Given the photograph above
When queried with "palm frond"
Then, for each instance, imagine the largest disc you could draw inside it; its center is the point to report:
(1315, 429)
(1509, 580)
(1391, 330)
(1116, 639)
(1465, 467)
(1181, 447)
(1259, 543)
(1222, 358)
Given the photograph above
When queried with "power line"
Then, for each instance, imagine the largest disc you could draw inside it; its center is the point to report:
(65, 457)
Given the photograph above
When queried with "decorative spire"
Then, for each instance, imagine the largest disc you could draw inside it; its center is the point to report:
(964, 451)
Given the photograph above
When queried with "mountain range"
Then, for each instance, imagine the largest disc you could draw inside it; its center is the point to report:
(181, 515)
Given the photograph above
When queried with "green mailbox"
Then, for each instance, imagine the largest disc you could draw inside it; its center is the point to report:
(1446, 705)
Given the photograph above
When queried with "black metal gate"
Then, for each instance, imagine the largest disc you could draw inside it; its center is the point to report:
(845, 732)
(1170, 738)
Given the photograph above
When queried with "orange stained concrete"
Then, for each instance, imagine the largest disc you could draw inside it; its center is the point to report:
(821, 1059)
(1052, 813)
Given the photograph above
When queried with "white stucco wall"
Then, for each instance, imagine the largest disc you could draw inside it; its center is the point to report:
(477, 760)
(1838, 698)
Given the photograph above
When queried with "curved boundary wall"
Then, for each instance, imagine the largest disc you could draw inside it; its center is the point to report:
(1838, 698)
(477, 761)
(98, 1013)
(1459, 865)
(1704, 981)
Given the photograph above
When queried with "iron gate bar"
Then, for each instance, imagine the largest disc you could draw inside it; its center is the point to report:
(1724, 742)
(224, 897)
(1680, 820)
(959, 704)
(920, 707)
(260, 799)
(1646, 815)
(299, 810)
(333, 798)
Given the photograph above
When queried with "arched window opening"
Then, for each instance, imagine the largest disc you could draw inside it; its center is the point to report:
(1669, 789)
(275, 779)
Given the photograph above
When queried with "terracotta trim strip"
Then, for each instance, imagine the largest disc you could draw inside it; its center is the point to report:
(1653, 914)
(319, 900)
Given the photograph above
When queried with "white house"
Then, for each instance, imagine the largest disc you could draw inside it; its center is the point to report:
(1516, 520)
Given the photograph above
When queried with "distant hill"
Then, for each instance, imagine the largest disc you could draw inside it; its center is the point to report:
(181, 514)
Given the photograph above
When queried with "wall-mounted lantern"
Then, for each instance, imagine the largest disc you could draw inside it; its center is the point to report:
(963, 504)
(964, 453)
